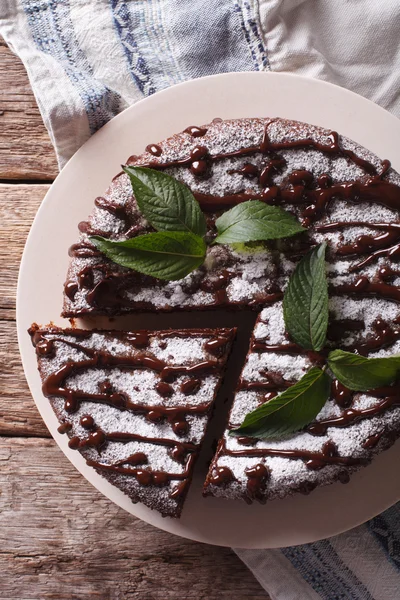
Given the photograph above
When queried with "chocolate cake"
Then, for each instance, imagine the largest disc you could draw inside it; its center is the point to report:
(136, 405)
(342, 194)
(350, 429)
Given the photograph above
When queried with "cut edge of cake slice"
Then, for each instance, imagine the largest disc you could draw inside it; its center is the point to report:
(135, 404)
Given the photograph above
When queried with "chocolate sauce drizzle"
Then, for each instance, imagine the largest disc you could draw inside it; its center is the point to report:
(300, 187)
(310, 458)
(53, 384)
(46, 343)
(391, 399)
(312, 195)
(146, 477)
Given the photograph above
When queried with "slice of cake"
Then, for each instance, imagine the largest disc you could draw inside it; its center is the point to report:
(136, 405)
(349, 430)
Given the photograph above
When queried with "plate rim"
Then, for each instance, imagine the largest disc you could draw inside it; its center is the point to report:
(108, 490)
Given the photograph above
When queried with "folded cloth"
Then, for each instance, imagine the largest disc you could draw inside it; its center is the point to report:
(89, 59)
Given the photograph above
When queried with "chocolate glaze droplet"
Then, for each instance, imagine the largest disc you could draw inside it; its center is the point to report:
(74, 443)
(64, 427)
(45, 348)
(221, 475)
(198, 153)
(199, 167)
(216, 346)
(106, 387)
(386, 273)
(180, 427)
(70, 289)
(87, 422)
(164, 389)
(190, 386)
(138, 458)
(154, 149)
(144, 477)
(154, 416)
(139, 339)
(97, 439)
(160, 478)
(248, 170)
(195, 131)
(257, 477)
(341, 394)
(180, 490)
(372, 441)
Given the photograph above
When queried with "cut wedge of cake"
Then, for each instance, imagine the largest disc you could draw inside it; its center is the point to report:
(350, 429)
(136, 405)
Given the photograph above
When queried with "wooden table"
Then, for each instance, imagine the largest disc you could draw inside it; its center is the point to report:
(59, 537)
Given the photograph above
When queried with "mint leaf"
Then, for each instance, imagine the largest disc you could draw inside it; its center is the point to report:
(166, 203)
(254, 221)
(305, 303)
(165, 255)
(292, 410)
(362, 374)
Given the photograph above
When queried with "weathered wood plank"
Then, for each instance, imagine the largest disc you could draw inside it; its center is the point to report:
(18, 414)
(25, 148)
(18, 206)
(61, 539)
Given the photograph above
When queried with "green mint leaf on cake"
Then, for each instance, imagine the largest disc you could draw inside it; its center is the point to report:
(165, 255)
(167, 204)
(292, 410)
(254, 221)
(363, 374)
(305, 303)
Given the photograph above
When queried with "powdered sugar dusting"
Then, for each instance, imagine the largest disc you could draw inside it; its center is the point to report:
(251, 276)
(139, 385)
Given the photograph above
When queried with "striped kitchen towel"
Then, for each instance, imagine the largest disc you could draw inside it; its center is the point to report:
(89, 59)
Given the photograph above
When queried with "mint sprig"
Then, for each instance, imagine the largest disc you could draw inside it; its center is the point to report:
(170, 207)
(361, 374)
(290, 411)
(165, 255)
(305, 309)
(305, 303)
(167, 204)
(254, 221)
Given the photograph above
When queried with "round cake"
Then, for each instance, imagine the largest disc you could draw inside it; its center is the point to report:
(343, 195)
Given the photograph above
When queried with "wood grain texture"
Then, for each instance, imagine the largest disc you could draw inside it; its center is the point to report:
(61, 539)
(18, 206)
(18, 413)
(25, 148)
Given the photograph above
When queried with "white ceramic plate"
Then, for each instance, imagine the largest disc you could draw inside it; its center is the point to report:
(327, 511)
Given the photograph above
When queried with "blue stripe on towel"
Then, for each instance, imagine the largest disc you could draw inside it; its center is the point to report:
(53, 33)
(130, 25)
(169, 41)
(328, 575)
(386, 530)
(252, 34)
